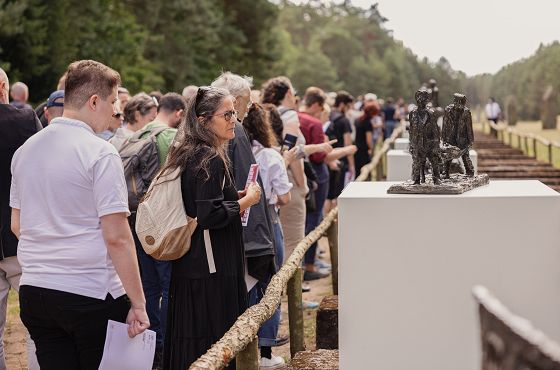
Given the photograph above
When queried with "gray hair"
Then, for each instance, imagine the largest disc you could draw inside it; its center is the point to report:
(236, 85)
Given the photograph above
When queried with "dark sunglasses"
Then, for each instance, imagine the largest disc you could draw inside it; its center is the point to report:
(117, 115)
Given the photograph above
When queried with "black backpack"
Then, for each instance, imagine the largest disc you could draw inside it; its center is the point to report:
(141, 163)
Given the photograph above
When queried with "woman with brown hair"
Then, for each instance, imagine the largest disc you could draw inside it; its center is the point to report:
(272, 170)
(207, 291)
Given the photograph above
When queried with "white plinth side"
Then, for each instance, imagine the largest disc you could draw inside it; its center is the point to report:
(407, 264)
(399, 164)
(402, 143)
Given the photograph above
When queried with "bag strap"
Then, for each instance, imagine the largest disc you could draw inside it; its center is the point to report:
(153, 132)
(284, 110)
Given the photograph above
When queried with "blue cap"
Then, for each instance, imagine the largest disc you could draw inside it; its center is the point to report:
(51, 101)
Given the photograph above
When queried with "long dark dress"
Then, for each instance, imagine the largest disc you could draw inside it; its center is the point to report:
(203, 306)
(362, 156)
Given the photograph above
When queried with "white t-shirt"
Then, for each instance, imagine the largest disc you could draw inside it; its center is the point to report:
(64, 179)
(272, 171)
(493, 110)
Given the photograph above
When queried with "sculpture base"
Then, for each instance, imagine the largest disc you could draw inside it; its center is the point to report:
(455, 184)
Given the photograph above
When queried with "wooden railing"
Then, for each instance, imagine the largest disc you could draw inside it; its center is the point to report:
(527, 142)
(240, 341)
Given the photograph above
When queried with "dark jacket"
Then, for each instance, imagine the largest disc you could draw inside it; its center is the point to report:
(257, 235)
(16, 126)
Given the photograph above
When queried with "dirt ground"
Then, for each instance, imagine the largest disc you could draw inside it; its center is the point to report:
(14, 336)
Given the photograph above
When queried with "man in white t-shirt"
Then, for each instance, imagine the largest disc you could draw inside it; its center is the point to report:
(493, 112)
(69, 211)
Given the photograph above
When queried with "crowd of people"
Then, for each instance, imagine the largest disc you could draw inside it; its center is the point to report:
(68, 241)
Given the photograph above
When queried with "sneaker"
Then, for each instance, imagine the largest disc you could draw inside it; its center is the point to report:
(305, 287)
(323, 265)
(310, 305)
(314, 275)
(276, 362)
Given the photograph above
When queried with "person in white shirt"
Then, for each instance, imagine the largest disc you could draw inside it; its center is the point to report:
(493, 112)
(69, 211)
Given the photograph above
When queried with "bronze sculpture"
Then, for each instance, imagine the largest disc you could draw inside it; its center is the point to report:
(438, 149)
(424, 138)
(457, 131)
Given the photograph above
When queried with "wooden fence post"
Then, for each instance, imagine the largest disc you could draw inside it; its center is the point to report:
(332, 236)
(379, 170)
(535, 147)
(295, 313)
(249, 357)
(550, 152)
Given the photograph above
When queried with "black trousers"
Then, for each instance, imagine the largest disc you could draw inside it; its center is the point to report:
(68, 329)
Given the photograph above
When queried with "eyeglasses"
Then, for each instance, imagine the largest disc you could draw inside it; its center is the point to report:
(228, 115)
(117, 115)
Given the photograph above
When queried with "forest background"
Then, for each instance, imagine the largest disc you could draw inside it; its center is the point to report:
(168, 44)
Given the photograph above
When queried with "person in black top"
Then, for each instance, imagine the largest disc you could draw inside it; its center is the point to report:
(341, 130)
(207, 291)
(364, 136)
(16, 126)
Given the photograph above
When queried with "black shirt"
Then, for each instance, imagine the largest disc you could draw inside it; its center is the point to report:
(16, 126)
(339, 126)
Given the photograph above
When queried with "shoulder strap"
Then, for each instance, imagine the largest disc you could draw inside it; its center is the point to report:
(153, 132)
(284, 110)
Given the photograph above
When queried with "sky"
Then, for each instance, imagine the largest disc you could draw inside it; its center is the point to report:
(475, 36)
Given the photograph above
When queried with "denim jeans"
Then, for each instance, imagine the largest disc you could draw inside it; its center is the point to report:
(313, 219)
(389, 127)
(268, 332)
(155, 276)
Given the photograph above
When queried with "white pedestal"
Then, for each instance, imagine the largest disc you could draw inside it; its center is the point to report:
(407, 264)
(402, 143)
(399, 164)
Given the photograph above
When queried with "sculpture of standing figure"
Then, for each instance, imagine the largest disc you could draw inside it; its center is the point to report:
(424, 138)
(458, 131)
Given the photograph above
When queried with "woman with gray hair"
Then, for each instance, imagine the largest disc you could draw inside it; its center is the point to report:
(207, 291)
(138, 112)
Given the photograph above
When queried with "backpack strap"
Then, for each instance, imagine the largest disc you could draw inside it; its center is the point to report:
(284, 110)
(153, 132)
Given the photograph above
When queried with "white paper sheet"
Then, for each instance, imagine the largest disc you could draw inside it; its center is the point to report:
(124, 353)
(249, 280)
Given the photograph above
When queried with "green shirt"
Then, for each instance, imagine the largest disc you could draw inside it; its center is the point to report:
(163, 139)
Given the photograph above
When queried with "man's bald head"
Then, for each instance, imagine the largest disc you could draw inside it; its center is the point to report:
(4, 87)
(20, 92)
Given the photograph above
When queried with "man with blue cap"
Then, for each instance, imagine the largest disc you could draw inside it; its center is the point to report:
(55, 105)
